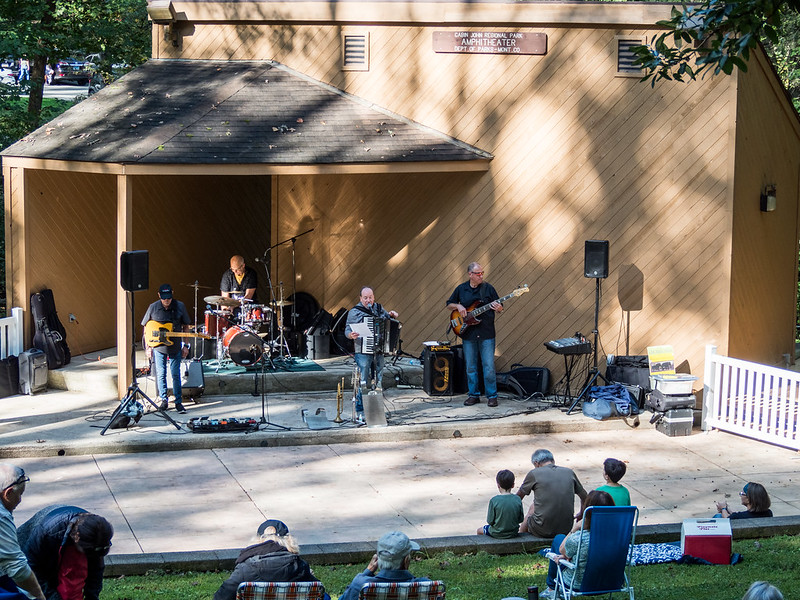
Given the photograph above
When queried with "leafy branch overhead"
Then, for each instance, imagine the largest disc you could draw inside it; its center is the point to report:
(715, 35)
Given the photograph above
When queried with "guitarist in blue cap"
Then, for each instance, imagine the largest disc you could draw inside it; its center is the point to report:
(171, 314)
(478, 336)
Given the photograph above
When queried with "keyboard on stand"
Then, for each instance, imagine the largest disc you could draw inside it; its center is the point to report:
(569, 345)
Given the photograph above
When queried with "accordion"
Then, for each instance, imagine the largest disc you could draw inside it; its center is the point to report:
(384, 336)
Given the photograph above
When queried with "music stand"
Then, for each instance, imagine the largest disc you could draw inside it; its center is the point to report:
(134, 391)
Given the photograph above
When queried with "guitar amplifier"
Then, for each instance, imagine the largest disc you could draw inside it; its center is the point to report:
(438, 372)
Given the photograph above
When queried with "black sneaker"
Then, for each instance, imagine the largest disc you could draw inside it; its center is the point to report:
(179, 407)
(163, 405)
(491, 402)
(471, 400)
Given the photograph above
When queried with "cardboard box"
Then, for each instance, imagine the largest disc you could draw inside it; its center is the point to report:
(709, 539)
(676, 384)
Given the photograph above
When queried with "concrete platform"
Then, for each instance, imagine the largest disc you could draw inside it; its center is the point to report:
(171, 493)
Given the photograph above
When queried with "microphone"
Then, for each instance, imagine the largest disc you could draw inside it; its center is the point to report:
(257, 259)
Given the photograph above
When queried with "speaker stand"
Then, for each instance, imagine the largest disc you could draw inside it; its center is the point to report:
(593, 374)
(134, 391)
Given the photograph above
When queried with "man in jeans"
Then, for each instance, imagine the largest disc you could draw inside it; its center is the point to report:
(478, 338)
(168, 310)
(370, 365)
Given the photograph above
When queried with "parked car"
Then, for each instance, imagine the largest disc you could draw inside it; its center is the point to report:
(8, 71)
(7, 76)
(72, 71)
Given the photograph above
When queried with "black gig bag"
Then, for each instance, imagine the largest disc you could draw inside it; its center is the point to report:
(50, 336)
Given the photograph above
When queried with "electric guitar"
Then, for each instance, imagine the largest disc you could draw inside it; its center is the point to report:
(460, 324)
(160, 334)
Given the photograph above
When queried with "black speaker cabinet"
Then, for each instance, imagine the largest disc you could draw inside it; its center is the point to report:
(595, 260)
(438, 372)
(134, 270)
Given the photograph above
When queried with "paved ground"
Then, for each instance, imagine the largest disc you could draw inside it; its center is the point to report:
(430, 473)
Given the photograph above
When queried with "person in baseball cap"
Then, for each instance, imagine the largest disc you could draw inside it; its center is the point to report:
(389, 564)
(274, 557)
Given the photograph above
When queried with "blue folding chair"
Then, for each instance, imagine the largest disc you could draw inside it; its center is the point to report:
(606, 569)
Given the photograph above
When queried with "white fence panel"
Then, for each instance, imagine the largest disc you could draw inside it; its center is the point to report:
(750, 399)
(11, 334)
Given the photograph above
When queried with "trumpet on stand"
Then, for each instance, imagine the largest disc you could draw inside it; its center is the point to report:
(339, 401)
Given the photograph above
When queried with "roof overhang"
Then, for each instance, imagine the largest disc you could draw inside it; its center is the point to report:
(201, 117)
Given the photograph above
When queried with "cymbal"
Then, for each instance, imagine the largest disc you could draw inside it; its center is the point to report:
(283, 303)
(200, 287)
(220, 301)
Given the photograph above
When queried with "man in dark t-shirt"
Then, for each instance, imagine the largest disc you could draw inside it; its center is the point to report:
(478, 339)
(240, 281)
(168, 310)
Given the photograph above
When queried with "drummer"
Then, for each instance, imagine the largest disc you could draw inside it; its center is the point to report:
(239, 281)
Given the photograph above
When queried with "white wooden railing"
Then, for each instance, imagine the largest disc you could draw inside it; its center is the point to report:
(750, 399)
(11, 334)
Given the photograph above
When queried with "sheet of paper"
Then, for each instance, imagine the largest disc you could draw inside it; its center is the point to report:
(362, 329)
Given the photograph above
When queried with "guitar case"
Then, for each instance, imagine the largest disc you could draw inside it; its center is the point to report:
(9, 376)
(50, 336)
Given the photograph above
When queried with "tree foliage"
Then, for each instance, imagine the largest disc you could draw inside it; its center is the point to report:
(716, 36)
(45, 31)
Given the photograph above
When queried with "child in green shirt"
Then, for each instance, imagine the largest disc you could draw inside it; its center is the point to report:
(613, 470)
(505, 510)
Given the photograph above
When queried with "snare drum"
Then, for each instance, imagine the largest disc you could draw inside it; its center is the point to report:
(244, 347)
(255, 314)
(216, 322)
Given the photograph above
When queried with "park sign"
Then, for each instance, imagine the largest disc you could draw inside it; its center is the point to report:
(489, 42)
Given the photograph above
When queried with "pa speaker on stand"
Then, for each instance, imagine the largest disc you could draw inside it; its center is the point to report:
(595, 259)
(134, 270)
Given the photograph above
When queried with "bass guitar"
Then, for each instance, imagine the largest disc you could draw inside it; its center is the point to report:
(161, 334)
(460, 324)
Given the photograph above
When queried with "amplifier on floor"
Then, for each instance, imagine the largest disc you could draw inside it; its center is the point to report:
(438, 372)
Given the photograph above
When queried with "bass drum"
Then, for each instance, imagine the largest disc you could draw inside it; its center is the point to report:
(244, 347)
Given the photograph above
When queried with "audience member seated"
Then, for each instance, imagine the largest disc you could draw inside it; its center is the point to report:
(761, 590)
(553, 488)
(613, 471)
(505, 510)
(274, 558)
(755, 499)
(388, 565)
(567, 546)
(65, 546)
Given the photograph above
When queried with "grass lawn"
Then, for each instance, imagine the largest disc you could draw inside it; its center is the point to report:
(488, 577)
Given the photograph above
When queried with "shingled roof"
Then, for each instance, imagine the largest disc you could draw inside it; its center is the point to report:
(234, 112)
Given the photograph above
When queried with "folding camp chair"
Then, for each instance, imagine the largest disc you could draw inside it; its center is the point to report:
(606, 569)
(407, 590)
(284, 590)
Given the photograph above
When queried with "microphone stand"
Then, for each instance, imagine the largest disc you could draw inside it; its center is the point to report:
(294, 274)
(263, 420)
(273, 305)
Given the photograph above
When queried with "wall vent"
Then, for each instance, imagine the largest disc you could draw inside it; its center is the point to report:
(625, 57)
(355, 51)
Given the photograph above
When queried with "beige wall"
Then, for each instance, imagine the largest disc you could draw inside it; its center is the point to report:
(764, 260)
(579, 154)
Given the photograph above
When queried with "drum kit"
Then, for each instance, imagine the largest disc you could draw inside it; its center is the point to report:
(237, 327)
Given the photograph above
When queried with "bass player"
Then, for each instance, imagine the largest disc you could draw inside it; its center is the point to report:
(168, 310)
(479, 339)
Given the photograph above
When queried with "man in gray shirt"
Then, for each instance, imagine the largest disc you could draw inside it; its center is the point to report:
(553, 508)
(13, 562)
